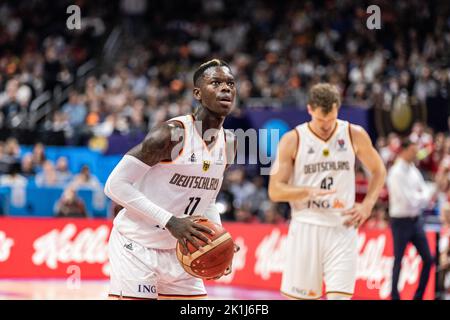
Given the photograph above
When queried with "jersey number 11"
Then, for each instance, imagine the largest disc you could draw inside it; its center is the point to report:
(191, 199)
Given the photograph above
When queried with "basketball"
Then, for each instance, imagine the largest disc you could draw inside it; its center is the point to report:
(214, 259)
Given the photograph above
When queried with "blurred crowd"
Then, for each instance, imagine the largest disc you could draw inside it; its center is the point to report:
(277, 50)
(19, 170)
(38, 52)
(433, 160)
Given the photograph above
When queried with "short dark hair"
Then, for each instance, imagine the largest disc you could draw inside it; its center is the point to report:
(405, 143)
(324, 95)
(209, 64)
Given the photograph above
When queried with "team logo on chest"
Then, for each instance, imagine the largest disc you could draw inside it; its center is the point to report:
(326, 152)
(341, 144)
(206, 165)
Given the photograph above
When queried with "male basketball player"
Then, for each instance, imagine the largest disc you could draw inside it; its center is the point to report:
(162, 183)
(322, 238)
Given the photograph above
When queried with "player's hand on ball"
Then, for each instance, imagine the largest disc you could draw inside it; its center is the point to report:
(356, 215)
(185, 229)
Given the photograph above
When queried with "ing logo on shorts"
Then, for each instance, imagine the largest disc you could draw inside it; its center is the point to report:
(142, 288)
(305, 293)
(338, 204)
(325, 204)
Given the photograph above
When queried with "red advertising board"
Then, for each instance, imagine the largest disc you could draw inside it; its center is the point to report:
(47, 248)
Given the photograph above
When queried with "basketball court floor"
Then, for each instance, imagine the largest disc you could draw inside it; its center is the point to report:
(37, 289)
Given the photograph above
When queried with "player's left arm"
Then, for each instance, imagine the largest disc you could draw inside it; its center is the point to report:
(372, 161)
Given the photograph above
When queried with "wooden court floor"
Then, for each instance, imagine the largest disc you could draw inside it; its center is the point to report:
(38, 289)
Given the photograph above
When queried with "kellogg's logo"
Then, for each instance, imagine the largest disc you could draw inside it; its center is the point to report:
(88, 246)
(5, 246)
(376, 269)
(271, 254)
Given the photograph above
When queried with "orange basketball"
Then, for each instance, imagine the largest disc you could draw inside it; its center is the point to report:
(215, 258)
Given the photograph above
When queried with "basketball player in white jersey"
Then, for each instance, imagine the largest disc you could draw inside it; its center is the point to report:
(322, 238)
(173, 176)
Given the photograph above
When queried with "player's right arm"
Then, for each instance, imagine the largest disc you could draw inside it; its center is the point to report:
(163, 142)
(283, 168)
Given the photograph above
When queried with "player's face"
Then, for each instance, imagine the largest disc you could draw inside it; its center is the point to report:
(217, 90)
(322, 123)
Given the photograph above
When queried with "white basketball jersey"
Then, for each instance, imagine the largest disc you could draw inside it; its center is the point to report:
(183, 187)
(328, 165)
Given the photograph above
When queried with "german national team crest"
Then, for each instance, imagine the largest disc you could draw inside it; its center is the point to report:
(326, 152)
(341, 143)
(206, 165)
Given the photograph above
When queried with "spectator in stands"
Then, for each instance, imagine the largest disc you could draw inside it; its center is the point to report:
(225, 199)
(258, 198)
(48, 176)
(433, 161)
(361, 184)
(39, 155)
(63, 173)
(27, 168)
(389, 152)
(243, 214)
(9, 155)
(378, 219)
(85, 180)
(4, 161)
(272, 215)
(10, 104)
(13, 178)
(70, 205)
(240, 187)
(52, 67)
(59, 128)
(420, 136)
(12, 150)
(442, 180)
(75, 111)
(4, 165)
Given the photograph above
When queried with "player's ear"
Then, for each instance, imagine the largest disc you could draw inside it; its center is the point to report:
(197, 94)
(309, 108)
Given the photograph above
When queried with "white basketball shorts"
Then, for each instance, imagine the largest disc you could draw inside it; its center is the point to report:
(139, 272)
(318, 253)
